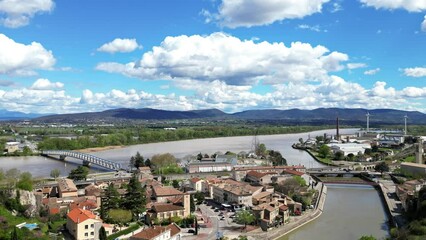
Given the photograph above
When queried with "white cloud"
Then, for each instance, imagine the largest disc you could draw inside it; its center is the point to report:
(423, 26)
(248, 13)
(45, 84)
(336, 7)
(409, 5)
(315, 28)
(20, 59)
(17, 13)
(122, 45)
(414, 92)
(372, 71)
(415, 72)
(355, 65)
(226, 58)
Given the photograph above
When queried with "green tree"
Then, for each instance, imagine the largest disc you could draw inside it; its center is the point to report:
(25, 181)
(148, 162)
(367, 238)
(300, 180)
(244, 217)
(276, 158)
(26, 151)
(55, 173)
(14, 235)
(175, 184)
(324, 151)
(260, 150)
(192, 204)
(80, 173)
(199, 196)
(339, 155)
(381, 167)
(135, 199)
(102, 234)
(160, 161)
(111, 199)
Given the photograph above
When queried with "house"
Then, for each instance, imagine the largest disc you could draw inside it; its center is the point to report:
(415, 169)
(349, 148)
(11, 147)
(83, 224)
(407, 191)
(271, 214)
(230, 158)
(66, 188)
(196, 184)
(164, 211)
(259, 177)
(234, 192)
(170, 232)
(197, 167)
(171, 195)
(262, 197)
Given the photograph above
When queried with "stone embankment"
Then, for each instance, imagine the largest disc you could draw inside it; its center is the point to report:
(296, 222)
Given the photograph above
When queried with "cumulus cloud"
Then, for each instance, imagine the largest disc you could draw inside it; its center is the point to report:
(351, 66)
(45, 84)
(409, 5)
(248, 13)
(17, 13)
(372, 71)
(226, 58)
(415, 72)
(20, 59)
(122, 45)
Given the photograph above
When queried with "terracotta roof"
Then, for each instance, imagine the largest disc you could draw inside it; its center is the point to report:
(257, 174)
(261, 195)
(66, 185)
(283, 208)
(54, 210)
(293, 172)
(78, 215)
(195, 180)
(174, 229)
(166, 208)
(166, 191)
(88, 204)
(150, 233)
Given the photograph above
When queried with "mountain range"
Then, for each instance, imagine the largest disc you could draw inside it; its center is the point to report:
(291, 116)
(10, 115)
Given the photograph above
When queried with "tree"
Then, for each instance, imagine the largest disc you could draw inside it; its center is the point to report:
(338, 155)
(175, 184)
(112, 199)
(244, 217)
(26, 151)
(324, 151)
(102, 234)
(351, 157)
(199, 156)
(14, 235)
(199, 196)
(301, 140)
(381, 167)
(288, 187)
(276, 158)
(148, 162)
(163, 160)
(260, 149)
(367, 238)
(80, 173)
(55, 173)
(135, 199)
(192, 204)
(139, 160)
(25, 181)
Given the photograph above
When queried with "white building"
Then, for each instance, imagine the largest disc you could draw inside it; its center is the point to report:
(348, 148)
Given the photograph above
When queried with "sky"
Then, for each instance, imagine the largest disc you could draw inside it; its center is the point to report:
(59, 56)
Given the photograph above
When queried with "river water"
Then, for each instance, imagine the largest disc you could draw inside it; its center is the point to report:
(350, 212)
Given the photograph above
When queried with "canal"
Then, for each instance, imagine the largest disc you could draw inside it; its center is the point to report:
(350, 212)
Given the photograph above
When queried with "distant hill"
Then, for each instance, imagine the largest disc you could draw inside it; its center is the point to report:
(10, 115)
(134, 114)
(291, 116)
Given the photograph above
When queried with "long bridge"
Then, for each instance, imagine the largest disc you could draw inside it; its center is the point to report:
(87, 158)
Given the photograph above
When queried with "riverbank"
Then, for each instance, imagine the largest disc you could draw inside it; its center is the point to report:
(299, 221)
(328, 163)
(98, 149)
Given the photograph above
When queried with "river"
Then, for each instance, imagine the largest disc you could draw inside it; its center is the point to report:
(41, 166)
(350, 212)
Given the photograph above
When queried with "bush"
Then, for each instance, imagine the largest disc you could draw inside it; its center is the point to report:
(123, 232)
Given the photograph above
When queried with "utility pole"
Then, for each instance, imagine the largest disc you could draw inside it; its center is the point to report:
(405, 124)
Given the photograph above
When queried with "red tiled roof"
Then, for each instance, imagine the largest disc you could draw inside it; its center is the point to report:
(195, 180)
(258, 175)
(174, 229)
(54, 210)
(149, 233)
(166, 191)
(78, 215)
(166, 208)
(283, 208)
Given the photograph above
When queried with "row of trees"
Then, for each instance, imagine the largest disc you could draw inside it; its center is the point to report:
(128, 136)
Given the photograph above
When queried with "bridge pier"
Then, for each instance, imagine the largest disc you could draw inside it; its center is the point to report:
(86, 163)
(62, 157)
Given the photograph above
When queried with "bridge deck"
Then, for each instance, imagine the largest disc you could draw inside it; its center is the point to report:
(85, 157)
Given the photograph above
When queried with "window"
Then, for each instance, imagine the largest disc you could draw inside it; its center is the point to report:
(92, 225)
(86, 234)
(86, 226)
(92, 233)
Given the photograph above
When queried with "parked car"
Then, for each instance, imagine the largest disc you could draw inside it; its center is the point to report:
(191, 231)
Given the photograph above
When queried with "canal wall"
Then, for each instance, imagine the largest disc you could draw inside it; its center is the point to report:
(299, 222)
(388, 205)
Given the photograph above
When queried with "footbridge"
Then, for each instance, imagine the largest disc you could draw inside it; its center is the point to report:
(87, 158)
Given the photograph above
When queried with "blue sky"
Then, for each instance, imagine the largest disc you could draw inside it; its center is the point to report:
(60, 56)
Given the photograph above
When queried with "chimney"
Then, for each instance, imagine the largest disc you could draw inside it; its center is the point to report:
(337, 129)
